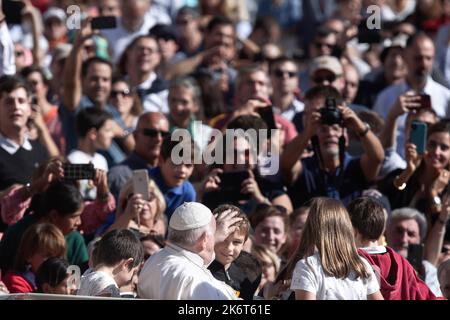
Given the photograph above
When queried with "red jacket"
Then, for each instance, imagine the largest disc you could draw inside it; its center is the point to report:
(398, 279)
(17, 283)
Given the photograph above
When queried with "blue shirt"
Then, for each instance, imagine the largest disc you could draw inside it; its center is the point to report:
(345, 183)
(175, 196)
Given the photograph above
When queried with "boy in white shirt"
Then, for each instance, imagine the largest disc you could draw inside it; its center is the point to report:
(116, 258)
(95, 132)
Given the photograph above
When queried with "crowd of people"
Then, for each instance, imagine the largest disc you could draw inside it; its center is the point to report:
(343, 193)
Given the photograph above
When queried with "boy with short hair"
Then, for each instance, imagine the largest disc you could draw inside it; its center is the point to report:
(95, 132)
(172, 179)
(118, 256)
(398, 279)
(235, 267)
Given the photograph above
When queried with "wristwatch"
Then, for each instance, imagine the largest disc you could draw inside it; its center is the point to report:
(365, 131)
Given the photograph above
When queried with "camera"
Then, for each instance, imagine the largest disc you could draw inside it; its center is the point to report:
(330, 114)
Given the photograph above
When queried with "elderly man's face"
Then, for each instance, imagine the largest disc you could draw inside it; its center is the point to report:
(401, 233)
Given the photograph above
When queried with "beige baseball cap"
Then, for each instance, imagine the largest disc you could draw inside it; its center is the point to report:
(190, 215)
(329, 63)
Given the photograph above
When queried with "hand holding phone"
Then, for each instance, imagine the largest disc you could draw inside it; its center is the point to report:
(415, 256)
(418, 136)
(140, 183)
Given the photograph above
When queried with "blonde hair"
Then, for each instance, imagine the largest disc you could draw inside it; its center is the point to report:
(329, 229)
(261, 252)
(127, 189)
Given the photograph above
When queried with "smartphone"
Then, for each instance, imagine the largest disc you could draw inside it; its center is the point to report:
(425, 101)
(106, 22)
(140, 183)
(230, 185)
(85, 171)
(366, 35)
(415, 256)
(266, 114)
(418, 136)
(13, 11)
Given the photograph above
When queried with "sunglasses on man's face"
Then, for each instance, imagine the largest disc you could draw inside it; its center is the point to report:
(331, 78)
(280, 73)
(153, 133)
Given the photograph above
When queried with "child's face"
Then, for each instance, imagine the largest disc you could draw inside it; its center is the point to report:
(105, 135)
(175, 175)
(228, 250)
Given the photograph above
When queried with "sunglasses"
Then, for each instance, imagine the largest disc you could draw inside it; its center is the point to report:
(123, 93)
(281, 73)
(330, 79)
(319, 45)
(153, 133)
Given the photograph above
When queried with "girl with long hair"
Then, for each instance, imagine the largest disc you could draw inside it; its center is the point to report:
(326, 265)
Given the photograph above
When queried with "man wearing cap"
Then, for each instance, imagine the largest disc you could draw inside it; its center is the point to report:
(331, 171)
(327, 71)
(55, 30)
(179, 271)
(419, 58)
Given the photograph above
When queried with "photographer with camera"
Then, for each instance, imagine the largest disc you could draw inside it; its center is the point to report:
(331, 171)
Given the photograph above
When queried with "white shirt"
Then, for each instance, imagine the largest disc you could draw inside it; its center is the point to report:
(440, 99)
(174, 273)
(154, 102)
(296, 107)
(119, 38)
(7, 57)
(11, 147)
(98, 283)
(312, 278)
(88, 191)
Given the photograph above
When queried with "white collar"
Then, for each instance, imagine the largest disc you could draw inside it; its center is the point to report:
(192, 256)
(11, 147)
(374, 250)
(148, 83)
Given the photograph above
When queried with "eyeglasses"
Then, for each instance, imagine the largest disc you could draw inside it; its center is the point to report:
(123, 93)
(331, 78)
(280, 73)
(319, 45)
(153, 133)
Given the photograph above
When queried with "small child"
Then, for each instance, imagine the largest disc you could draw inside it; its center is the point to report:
(237, 268)
(117, 257)
(172, 179)
(95, 132)
(52, 277)
(398, 279)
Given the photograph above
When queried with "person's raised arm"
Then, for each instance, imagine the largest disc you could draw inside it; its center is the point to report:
(435, 237)
(33, 15)
(7, 59)
(373, 156)
(401, 106)
(290, 158)
(72, 68)
(45, 137)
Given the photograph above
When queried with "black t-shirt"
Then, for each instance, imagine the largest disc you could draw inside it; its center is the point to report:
(18, 167)
(243, 275)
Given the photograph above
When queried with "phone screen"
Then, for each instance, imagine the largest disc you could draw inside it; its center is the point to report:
(425, 101)
(415, 255)
(140, 183)
(418, 136)
(266, 114)
(230, 185)
(85, 171)
(106, 22)
(13, 11)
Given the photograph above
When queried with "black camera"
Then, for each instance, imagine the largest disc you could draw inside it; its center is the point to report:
(330, 114)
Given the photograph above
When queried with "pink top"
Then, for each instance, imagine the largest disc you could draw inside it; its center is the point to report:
(13, 206)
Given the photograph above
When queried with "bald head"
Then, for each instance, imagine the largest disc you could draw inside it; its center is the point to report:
(148, 118)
